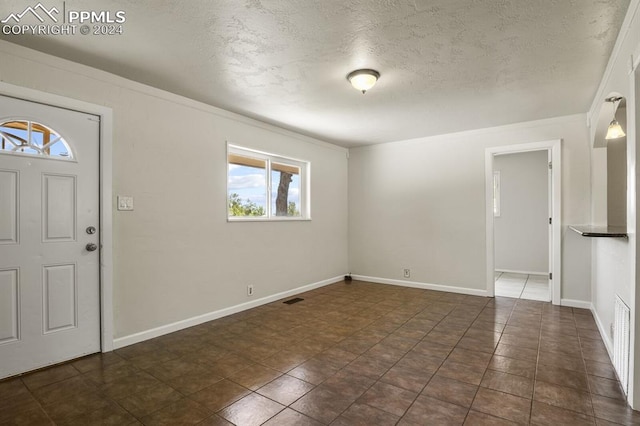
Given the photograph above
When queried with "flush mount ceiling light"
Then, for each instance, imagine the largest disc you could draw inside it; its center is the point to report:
(364, 79)
(615, 130)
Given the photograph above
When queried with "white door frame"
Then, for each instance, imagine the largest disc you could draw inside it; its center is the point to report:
(106, 222)
(633, 218)
(554, 147)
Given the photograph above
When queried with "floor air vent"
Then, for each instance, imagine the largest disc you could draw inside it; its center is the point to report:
(621, 342)
(292, 301)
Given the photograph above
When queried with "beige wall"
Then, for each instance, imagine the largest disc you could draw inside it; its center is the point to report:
(420, 204)
(176, 256)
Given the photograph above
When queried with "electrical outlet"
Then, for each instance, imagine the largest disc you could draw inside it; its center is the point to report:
(407, 273)
(249, 290)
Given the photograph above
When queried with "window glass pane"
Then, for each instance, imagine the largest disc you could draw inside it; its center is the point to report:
(265, 186)
(29, 137)
(285, 190)
(247, 186)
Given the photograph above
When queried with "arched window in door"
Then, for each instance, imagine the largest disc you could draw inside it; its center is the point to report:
(32, 138)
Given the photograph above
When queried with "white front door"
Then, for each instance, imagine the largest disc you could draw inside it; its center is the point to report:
(49, 217)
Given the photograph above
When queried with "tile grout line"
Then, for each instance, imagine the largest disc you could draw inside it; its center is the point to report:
(584, 364)
(535, 375)
(526, 280)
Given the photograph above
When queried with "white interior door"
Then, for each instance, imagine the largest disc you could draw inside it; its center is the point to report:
(49, 216)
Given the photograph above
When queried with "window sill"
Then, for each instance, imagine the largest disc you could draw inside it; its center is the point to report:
(262, 219)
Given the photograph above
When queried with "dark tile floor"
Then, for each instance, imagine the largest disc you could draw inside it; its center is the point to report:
(349, 354)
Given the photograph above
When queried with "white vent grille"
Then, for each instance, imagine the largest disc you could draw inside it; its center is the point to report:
(621, 342)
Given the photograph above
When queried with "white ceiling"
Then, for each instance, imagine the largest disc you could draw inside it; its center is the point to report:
(446, 65)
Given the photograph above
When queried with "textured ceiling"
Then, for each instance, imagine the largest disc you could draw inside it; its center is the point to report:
(446, 65)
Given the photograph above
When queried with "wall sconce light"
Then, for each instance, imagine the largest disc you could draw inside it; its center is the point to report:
(615, 130)
(363, 79)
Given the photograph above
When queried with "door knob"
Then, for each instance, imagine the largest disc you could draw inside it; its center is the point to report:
(91, 247)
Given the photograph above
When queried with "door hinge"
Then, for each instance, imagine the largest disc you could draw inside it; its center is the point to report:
(550, 165)
(550, 275)
(550, 221)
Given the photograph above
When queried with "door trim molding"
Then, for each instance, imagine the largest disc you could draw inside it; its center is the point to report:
(105, 186)
(554, 147)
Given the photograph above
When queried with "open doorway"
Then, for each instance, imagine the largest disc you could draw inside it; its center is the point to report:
(521, 235)
(523, 221)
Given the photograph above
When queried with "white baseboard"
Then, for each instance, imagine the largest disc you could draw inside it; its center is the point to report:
(426, 286)
(513, 271)
(608, 343)
(141, 336)
(575, 303)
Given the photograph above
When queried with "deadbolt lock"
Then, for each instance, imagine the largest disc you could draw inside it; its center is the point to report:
(91, 230)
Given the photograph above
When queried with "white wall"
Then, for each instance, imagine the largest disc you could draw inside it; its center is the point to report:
(615, 261)
(176, 256)
(521, 232)
(419, 204)
(610, 277)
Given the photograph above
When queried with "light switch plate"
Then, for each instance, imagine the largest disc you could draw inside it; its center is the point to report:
(125, 203)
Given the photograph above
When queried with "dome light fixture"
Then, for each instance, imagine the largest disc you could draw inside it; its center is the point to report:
(615, 130)
(363, 79)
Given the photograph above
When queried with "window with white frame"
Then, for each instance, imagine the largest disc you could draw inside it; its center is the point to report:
(263, 186)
